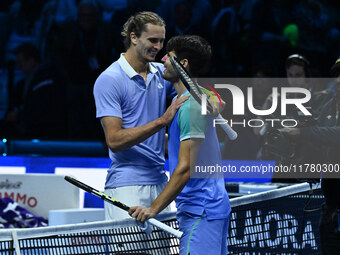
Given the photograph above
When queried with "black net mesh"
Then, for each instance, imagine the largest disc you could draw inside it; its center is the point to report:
(285, 225)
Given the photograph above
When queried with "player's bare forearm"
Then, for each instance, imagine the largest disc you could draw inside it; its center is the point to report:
(119, 139)
(186, 158)
(177, 182)
(175, 185)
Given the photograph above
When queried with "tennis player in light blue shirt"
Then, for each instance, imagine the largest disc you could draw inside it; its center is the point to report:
(204, 193)
(122, 93)
(202, 202)
(130, 97)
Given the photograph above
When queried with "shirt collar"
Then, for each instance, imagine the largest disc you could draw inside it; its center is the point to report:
(186, 92)
(127, 68)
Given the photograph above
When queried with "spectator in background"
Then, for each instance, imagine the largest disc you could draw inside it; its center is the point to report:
(182, 20)
(53, 14)
(5, 27)
(66, 10)
(329, 224)
(182, 23)
(199, 18)
(332, 41)
(27, 14)
(83, 49)
(327, 136)
(226, 42)
(313, 26)
(298, 70)
(261, 87)
(35, 108)
(267, 23)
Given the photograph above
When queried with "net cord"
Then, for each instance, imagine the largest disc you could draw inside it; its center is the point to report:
(271, 194)
(6, 234)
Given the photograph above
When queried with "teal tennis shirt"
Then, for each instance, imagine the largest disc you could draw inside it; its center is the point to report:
(203, 193)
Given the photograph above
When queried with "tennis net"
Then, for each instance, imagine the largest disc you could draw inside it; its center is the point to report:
(282, 221)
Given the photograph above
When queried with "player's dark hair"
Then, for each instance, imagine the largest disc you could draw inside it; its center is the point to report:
(194, 48)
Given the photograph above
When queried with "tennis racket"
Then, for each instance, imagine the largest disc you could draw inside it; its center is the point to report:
(119, 204)
(197, 93)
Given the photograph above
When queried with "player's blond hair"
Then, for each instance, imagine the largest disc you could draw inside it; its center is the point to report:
(137, 24)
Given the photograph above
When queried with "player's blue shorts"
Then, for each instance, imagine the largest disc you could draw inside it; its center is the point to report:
(202, 236)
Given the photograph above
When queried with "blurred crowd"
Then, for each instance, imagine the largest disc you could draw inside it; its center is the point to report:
(51, 52)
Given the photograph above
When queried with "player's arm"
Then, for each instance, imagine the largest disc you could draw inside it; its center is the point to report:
(119, 139)
(186, 158)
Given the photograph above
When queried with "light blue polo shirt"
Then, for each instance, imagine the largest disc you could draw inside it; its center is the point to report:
(121, 92)
(199, 194)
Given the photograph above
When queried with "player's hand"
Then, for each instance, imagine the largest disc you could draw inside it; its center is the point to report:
(170, 113)
(141, 213)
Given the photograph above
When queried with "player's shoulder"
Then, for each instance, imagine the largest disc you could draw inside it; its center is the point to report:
(192, 104)
(112, 74)
(190, 108)
(114, 70)
(109, 80)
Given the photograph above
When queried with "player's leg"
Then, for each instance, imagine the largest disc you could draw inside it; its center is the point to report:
(142, 195)
(202, 236)
(128, 195)
(224, 247)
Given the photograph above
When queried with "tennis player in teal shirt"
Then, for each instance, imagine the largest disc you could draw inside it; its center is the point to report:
(202, 202)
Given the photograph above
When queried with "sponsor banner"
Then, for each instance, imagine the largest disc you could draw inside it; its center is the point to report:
(39, 193)
(288, 225)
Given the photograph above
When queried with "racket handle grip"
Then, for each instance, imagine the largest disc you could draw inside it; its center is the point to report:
(227, 129)
(165, 227)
